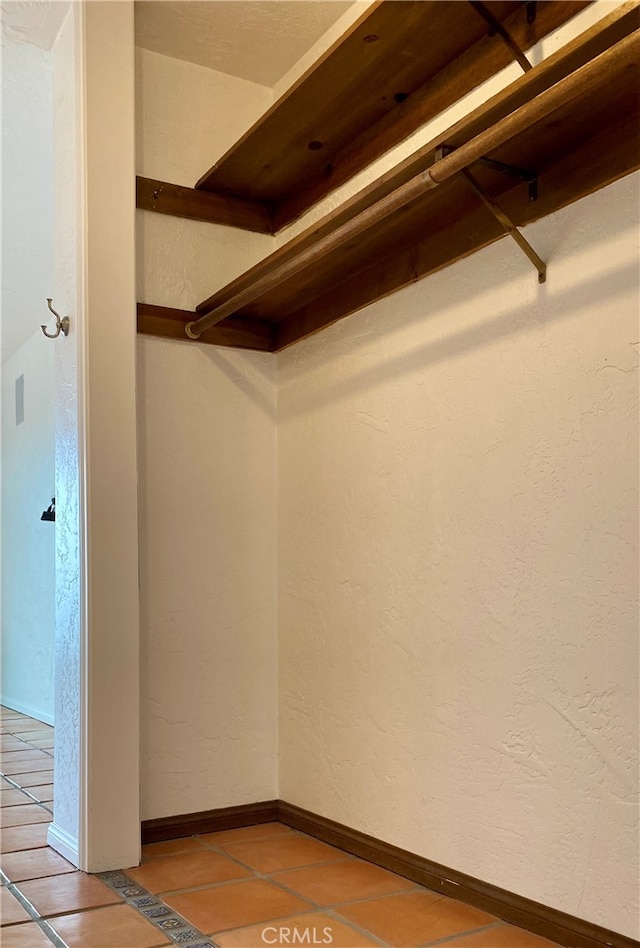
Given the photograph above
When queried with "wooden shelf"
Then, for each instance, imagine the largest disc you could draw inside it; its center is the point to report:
(402, 64)
(356, 255)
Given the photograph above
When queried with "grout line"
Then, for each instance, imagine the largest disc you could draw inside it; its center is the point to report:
(451, 939)
(313, 907)
(32, 802)
(269, 877)
(358, 928)
(42, 923)
(267, 921)
(166, 920)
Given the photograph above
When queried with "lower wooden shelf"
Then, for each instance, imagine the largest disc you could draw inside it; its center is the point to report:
(581, 144)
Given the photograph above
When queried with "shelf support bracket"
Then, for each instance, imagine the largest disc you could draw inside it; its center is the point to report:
(509, 226)
(495, 26)
(521, 174)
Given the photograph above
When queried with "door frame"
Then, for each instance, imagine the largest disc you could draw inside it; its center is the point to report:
(96, 773)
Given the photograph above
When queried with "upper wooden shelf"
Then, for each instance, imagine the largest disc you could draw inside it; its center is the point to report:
(401, 64)
(572, 121)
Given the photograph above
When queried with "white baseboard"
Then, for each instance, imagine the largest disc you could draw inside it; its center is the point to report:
(64, 843)
(27, 709)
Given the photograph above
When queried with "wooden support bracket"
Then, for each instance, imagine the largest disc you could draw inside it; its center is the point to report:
(180, 201)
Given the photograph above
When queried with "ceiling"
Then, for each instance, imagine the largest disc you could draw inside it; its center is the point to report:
(258, 40)
(33, 21)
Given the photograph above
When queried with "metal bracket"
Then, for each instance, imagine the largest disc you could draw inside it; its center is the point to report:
(522, 174)
(496, 26)
(509, 226)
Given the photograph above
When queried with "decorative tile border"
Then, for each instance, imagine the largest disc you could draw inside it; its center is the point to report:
(173, 926)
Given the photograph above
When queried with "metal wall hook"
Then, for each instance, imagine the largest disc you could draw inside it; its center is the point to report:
(62, 323)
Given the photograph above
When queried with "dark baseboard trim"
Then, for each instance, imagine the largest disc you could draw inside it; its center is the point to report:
(208, 821)
(533, 916)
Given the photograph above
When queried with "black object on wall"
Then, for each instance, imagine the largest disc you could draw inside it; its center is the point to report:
(50, 512)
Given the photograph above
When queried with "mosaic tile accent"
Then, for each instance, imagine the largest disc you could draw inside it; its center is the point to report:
(117, 880)
(157, 912)
(172, 925)
(132, 891)
(147, 902)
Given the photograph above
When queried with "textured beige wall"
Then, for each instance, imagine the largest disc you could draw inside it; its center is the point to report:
(187, 117)
(456, 488)
(207, 465)
(458, 520)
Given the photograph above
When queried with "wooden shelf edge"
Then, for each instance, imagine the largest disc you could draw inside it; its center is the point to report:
(469, 235)
(467, 68)
(202, 182)
(235, 332)
(464, 74)
(180, 201)
(538, 82)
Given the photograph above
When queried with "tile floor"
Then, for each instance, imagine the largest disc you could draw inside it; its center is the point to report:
(243, 888)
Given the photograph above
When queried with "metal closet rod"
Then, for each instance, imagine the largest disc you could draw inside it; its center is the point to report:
(440, 171)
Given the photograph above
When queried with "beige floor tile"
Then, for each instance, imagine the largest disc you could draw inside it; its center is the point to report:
(172, 847)
(43, 743)
(342, 881)
(16, 838)
(504, 937)
(243, 833)
(11, 912)
(26, 766)
(415, 918)
(26, 726)
(313, 929)
(67, 893)
(26, 752)
(29, 736)
(11, 744)
(235, 905)
(44, 793)
(22, 815)
(282, 852)
(11, 797)
(34, 864)
(36, 779)
(25, 936)
(186, 870)
(114, 927)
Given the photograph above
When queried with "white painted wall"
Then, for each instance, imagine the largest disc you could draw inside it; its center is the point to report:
(68, 294)
(27, 190)
(28, 584)
(207, 473)
(28, 577)
(458, 525)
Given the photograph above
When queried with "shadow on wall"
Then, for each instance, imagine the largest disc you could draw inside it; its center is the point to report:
(382, 367)
(230, 364)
